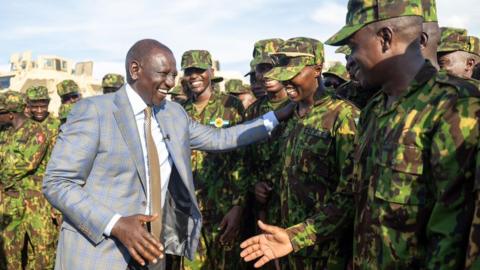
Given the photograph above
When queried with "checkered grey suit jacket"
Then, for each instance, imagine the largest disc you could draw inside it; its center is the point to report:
(97, 169)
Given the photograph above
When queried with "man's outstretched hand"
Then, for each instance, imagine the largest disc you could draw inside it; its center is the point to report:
(272, 244)
(139, 242)
(285, 112)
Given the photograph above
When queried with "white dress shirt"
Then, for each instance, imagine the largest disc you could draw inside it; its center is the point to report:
(138, 107)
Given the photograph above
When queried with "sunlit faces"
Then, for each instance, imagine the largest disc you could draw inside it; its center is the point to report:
(198, 80)
(38, 109)
(304, 84)
(155, 76)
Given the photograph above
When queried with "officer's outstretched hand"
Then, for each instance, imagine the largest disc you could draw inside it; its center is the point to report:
(272, 244)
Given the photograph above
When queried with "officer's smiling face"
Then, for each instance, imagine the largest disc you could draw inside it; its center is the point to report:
(198, 80)
(304, 84)
(39, 109)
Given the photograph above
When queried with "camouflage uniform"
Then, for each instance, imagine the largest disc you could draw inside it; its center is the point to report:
(236, 86)
(473, 248)
(413, 171)
(354, 92)
(66, 87)
(111, 82)
(338, 70)
(215, 174)
(316, 154)
(25, 215)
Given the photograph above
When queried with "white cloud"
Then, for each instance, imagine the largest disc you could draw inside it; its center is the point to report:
(462, 14)
(329, 14)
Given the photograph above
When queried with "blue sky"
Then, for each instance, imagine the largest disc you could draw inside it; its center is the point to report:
(103, 30)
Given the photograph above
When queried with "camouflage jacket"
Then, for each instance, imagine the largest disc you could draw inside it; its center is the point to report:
(51, 124)
(353, 92)
(317, 153)
(22, 153)
(412, 179)
(215, 174)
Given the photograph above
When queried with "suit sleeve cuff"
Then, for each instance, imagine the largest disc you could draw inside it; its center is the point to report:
(110, 224)
(302, 235)
(270, 121)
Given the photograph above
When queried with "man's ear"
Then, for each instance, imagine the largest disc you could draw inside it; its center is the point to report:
(385, 35)
(134, 69)
(10, 116)
(424, 40)
(318, 70)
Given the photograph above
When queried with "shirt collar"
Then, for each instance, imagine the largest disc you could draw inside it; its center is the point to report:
(137, 103)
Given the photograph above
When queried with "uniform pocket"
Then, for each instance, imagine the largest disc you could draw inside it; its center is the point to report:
(313, 150)
(401, 167)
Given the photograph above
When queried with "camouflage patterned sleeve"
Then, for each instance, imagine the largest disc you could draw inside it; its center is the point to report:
(338, 212)
(451, 162)
(22, 160)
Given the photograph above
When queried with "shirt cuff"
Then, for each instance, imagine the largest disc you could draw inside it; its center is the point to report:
(270, 121)
(302, 235)
(110, 224)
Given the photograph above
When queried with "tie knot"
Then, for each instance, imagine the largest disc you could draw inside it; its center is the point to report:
(148, 112)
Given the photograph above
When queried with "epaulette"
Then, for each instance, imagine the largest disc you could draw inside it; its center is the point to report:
(465, 87)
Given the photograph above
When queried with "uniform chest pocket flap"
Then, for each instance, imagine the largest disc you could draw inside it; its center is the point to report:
(400, 168)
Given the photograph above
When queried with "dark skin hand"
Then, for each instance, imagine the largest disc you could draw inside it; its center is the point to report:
(139, 242)
(285, 112)
(262, 192)
(230, 225)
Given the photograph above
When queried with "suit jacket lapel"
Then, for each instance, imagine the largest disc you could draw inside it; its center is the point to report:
(128, 128)
(166, 121)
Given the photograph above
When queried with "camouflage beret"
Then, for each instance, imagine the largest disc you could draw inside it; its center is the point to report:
(12, 101)
(429, 8)
(67, 87)
(293, 56)
(236, 86)
(64, 110)
(363, 12)
(196, 59)
(456, 39)
(113, 80)
(344, 49)
(37, 93)
(339, 70)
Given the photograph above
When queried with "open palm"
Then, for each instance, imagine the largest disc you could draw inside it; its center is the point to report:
(272, 244)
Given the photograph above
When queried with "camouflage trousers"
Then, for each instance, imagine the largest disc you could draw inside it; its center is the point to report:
(27, 234)
(473, 250)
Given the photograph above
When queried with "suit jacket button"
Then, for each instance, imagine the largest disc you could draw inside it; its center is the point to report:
(144, 203)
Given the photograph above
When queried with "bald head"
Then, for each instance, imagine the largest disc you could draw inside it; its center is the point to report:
(141, 51)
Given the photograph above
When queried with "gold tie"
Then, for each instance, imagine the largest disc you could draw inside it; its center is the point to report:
(154, 175)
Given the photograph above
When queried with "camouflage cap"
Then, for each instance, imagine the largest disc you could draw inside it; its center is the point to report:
(293, 56)
(363, 12)
(37, 93)
(67, 87)
(236, 86)
(339, 70)
(344, 49)
(196, 59)
(456, 39)
(113, 80)
(429, 8)
(12, 101)
(263, 48)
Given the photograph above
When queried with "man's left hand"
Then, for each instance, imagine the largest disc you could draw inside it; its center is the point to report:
(230, 225)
